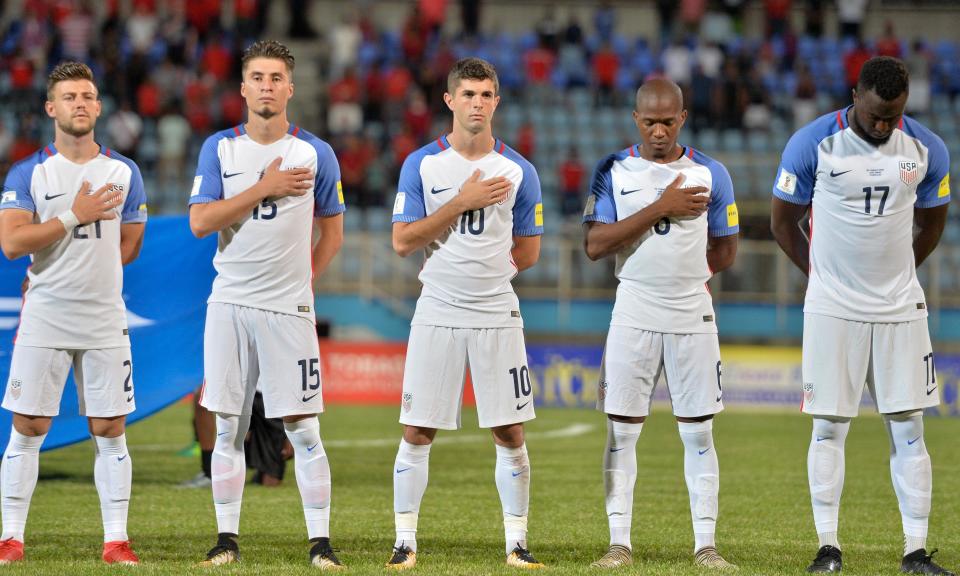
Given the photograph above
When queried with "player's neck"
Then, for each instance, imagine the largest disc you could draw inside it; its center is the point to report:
(266, 130)
(471, 146)
(673, 156)
(77, 149)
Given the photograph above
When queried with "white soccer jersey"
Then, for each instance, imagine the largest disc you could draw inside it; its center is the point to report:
(467, 271)
(861, 220)
(74, 300)
(264, 261)
(663, 274)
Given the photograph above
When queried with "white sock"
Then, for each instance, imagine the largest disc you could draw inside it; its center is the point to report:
(313, 474)
(512, 475)
(409, 483)
(113, 475)
(228, 471)
(701, 470)
(912, 476)
(825, 469)
(18, 478)
(620, 477)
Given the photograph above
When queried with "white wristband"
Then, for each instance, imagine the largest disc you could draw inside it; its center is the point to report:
(68, 219)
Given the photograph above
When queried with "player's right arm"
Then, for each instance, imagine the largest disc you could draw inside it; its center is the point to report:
(792, 195)
(605, 235)
(19, 235)
(475, 194)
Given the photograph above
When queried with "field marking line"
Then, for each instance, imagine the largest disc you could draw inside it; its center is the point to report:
(571, 431)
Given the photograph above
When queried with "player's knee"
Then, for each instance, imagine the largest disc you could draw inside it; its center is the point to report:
(31, 425)
(510, 435)
(418, 435)
(830, 429)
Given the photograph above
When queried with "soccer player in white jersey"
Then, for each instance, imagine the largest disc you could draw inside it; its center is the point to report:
(264, 186)
(874, 186)
(473, 205)
(78, 209)
(667, 212)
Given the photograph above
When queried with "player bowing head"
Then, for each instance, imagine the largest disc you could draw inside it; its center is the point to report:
(659, 115)
(879, 99)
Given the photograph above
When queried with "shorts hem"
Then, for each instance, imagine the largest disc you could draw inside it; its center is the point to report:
(428, 424)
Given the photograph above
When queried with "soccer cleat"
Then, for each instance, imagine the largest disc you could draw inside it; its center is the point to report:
(919, 562)
(708, 557)
(322, 556)
(10, 551)
(522, 558)
(227, 550)
(617, 556)
(828, 560)
(403, 558)
(201, 480)
(119, 552)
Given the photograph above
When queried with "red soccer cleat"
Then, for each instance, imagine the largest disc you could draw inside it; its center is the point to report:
(11, 551)
(119, 552)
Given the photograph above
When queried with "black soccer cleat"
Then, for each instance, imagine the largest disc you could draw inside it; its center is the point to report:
(403, 558)
(919, 562)
(227, 550)
(322, 556)
(828, 560)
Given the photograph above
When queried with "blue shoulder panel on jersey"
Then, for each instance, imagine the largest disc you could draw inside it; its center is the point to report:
(798, 163)
(208, 183)
(16, 188)
(604, 208)
(135, 206)
(722, 216)
(934, 189)
(529, 196)
(412, 208)
(328, 192)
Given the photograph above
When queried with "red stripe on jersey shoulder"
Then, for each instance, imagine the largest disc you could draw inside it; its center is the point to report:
(840, 119)
(236, 130)
(440, 143)
(106, 152)
(900, 124)
(690, 152)
(296, 130)
(501, 148)
(632, 153)
(48, 151)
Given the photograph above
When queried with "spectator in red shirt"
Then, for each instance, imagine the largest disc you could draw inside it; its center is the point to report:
(345, 115)
(417, 116)
(606, 65)
(853, 61)
(888, 44)
(526, 140)
(571, 176)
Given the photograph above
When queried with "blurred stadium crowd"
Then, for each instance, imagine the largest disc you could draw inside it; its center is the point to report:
(168, 71)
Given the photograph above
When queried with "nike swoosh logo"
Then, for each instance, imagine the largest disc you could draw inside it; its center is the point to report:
(515, 474)
(12, 456)
(931, 391)
(310, 449)
(819, 438)
(222, 434)
(122, 458)
(521, 406)
(309, 398)
(912, 442)
(835, 174)
(129, 398)
(225, 175)
(617, 449)
(702, 452)
(49, 197)
(401, 470)
(435, 191)
(625, 192)
(719, 397)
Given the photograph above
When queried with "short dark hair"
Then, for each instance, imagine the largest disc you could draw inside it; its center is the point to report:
(884, 75)
(67, 71)
(472, 69)
(267, 49)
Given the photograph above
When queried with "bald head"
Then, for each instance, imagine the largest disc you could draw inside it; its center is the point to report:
(660, 92)
(659, 116)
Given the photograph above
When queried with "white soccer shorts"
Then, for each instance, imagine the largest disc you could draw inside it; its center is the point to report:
(435, 373)
(895, 360)
(634, 359)
(244, 348)
(104, 379)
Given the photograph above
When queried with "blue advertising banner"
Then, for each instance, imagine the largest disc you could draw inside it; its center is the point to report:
(165, 291)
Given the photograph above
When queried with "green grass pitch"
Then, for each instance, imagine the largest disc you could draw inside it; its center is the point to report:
(765, 523)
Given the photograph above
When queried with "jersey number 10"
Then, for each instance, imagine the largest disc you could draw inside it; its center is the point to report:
(470, 223)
